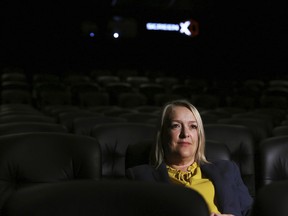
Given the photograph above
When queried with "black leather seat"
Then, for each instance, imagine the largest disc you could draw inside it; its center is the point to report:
(36, 158)
(160, 99)
(150, 90)
(23, 127)
(51, 97)
(13, 76)
(139, 153)
(115, 89)
(206, 101)
(215, 150)
(24, 109)
(89, 99)
(28, 117)
(16, 96)
(66, 118)
(17, 108)
(109, 198)
(138, 116)
(148, 109)
(114, 138)
(84, 125)
(268, 118)
(79, 88)
(273, 162)
(136, 81)
(131, 99)
(258, 127)
(45, 77)
(272, 199)
(281, 130)
(56, 109)
(241, 144)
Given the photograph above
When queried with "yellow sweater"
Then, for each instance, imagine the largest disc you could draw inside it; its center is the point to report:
(193, 179)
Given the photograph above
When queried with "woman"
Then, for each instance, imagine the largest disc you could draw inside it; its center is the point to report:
(178, 157)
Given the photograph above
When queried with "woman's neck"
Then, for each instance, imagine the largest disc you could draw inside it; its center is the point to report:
(181, 166)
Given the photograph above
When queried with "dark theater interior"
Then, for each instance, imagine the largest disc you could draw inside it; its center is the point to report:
(83, 84)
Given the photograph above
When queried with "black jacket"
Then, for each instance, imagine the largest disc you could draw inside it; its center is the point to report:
(232, 195)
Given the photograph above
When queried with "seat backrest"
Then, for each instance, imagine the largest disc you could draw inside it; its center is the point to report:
(150, 90)
(258, 127)
(160, 99)
(241, 144)
(207, 101)
(79, 88)
(29, 117)
(139, 153)
(56, 109)
(29, 159)
(138, 116)
(215, 150)
(272, 199)
(131, 99)
(110, 198)
(114, 138)
(281, 130)
(277, 114)
(18, 107)
(268, 118)
(93, 99)
(22, 127)
(66, 118)
(84, 125)
(16, 96)
(136, 81)
(273, 156)
(115, 89)
(51, 97)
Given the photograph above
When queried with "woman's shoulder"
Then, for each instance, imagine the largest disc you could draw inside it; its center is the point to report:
(142, 167)
(225, 168)
(222, 164)
(140, 170)
(148, 172)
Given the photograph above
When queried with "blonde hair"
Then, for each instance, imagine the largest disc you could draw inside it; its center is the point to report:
(157, 153)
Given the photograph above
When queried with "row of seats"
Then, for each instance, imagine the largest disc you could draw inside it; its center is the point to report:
(87, 90)
(252, 142)
(88, 197)
(238, 139)
(31, 160)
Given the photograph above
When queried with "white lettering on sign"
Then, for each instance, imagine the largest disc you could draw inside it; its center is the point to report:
(182, 27)
(162, 26)
(185, 28)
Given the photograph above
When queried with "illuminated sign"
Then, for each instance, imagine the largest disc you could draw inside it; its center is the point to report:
(189, 27)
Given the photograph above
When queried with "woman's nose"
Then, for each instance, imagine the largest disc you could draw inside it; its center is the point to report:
(184, 132)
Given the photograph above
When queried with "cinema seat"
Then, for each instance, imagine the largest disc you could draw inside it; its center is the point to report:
(273, 160)
(109, 198)
(24, 127)
(84, 125)
(139, 153)
(29, 117)
(38, 158)
(114, 138)
(281, 130)
(241, 144)
(272, 199)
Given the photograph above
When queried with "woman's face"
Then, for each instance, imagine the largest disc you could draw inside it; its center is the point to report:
(181, 136)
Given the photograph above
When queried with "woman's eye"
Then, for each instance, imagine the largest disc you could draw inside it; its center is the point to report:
(194, 126)
(175, 126)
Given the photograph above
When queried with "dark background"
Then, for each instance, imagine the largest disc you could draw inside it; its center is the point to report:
(237, 39)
